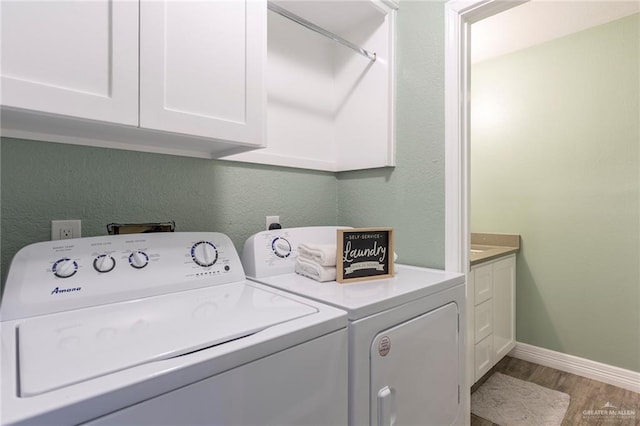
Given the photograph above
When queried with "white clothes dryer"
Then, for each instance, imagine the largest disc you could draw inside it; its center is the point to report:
(152, 329)
(406, 337)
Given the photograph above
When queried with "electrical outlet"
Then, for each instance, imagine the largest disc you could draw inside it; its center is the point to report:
(65, 229)
(270, 220)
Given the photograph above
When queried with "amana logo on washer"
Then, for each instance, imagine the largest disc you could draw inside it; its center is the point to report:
(59, 290)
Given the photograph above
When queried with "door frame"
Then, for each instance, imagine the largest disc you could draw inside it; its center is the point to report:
(459, 15)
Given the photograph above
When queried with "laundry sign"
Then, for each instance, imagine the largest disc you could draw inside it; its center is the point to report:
(364, 254)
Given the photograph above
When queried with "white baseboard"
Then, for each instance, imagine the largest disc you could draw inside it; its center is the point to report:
(616, 376)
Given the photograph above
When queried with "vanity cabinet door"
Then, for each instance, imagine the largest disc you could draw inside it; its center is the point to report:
(202, 68)
(483, 321)
(504, 306)
(483, 283)
(75, 58)
(484, 359)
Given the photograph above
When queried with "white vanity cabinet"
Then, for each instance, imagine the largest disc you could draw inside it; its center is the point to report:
(179, 77)
(491, 302)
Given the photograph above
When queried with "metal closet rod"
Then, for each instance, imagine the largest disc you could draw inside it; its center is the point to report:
(313, 27)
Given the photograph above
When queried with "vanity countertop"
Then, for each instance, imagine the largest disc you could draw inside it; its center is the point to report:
(485, 247)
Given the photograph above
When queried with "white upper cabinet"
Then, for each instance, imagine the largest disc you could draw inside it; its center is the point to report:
(329, 107)
(205, 78)
(74, 58)
(202, 68)
(178, 77)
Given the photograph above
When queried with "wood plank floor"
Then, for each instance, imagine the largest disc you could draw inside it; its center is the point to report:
(586, 394)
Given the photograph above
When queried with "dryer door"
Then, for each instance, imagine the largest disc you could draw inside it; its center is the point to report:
(415, 371)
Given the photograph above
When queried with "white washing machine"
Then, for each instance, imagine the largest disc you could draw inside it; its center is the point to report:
(406, 345)
(151, 329)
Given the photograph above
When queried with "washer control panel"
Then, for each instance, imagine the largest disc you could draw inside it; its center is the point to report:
(59, 275)
(204, 253)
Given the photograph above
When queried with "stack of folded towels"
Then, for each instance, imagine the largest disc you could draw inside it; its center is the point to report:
(317, 261)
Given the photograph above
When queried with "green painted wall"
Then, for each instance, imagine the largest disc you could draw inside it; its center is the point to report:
(555, 157)
(44, 181)
(411, 198)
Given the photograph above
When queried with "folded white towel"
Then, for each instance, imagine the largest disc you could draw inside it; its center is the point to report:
(313, 270)
(322, 254)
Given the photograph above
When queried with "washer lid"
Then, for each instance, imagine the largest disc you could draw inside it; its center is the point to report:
(70, 347)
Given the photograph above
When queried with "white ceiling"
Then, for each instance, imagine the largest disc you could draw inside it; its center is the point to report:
(542, 20)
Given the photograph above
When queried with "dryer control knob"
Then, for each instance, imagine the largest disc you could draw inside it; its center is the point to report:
(104, 263)
(65, 268)
(204, 253)
(281, 247)
(138, 259)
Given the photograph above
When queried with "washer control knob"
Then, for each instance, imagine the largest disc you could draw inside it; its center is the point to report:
(65, 268)
(138, 259)
(281, 247)
(104, 263)
(204, 253)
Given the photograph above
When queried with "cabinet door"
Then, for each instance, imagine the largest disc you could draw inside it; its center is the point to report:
(483, 280)
(484, 359)
(504, 290)
(202, 68)
(483, 320)
(74, 58)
